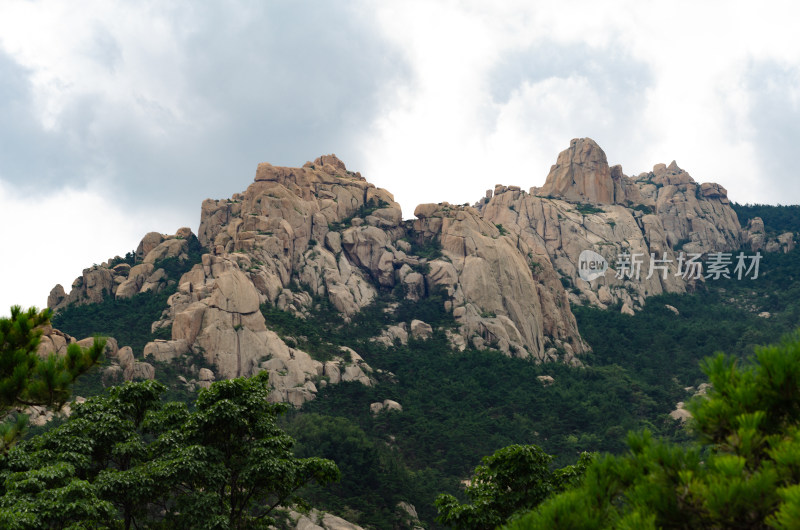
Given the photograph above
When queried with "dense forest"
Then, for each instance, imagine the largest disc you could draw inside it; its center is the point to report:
(777, 219)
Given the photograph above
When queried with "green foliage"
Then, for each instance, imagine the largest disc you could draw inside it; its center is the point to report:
(130, 259)
(323, 332)
(777, 219)
(458, 407)
(129, 460)
(502, 229)
(513, 479)
(588, 209)
(307, 334)
(643, 208)
(429, 309)
(127, 319)
(26, 378)
(430, 250)
(656, 345)
(175, 267)
(743, 472)
(374, 479)
(364, 210)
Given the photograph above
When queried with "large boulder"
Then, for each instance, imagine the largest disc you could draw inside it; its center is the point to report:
(581, 174)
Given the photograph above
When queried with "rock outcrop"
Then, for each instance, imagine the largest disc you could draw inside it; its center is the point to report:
(321, 226)
(386, 406)
(119, 279)
(496, 298)
(506, 269)
(654, 216)
(755, 236)
(304, 223)
(581, 174)
(339, 237)
(316, 520)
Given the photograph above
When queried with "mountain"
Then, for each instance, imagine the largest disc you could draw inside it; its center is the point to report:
(587, 205)
(507, 268)
(411, 348)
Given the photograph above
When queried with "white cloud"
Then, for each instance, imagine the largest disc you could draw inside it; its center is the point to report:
(446, 138)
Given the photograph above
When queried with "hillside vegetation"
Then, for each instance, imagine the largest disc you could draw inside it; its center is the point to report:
(459, 407)
(776, 218)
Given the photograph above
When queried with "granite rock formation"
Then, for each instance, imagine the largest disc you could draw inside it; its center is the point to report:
(508, 267)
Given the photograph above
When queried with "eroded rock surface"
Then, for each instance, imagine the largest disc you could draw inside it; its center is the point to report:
(587, 205)
(116, 278)
(497, 299)
(507, 269)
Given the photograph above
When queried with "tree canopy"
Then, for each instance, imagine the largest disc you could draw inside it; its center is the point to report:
(127, 459)
(26, 379)
(514, 479)
(742, 472)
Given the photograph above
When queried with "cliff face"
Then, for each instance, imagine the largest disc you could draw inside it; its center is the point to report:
(587, 205)
(341, 238)
(500, 292)
(507, 267)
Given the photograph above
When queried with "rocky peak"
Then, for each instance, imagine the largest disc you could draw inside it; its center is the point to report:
(120, 279)
(294, 204)
(581, 174)
(661, 212)
(330, 160)
(671, 175)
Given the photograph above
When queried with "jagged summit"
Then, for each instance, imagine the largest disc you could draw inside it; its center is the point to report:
(586, 204)
(581, 174)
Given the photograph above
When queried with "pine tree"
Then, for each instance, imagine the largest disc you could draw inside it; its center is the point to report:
(127, 459)
(512, 480)
(743, 472)
(26, 379)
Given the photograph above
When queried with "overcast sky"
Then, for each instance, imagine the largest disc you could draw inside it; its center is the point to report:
(119, 118)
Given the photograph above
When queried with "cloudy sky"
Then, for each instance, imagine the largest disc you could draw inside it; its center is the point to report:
(119, 118)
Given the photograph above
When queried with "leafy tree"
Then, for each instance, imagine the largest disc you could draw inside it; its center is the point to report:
(744, 472)
(129, 458)
(514, 479)
(26, 379)
(233, 461)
